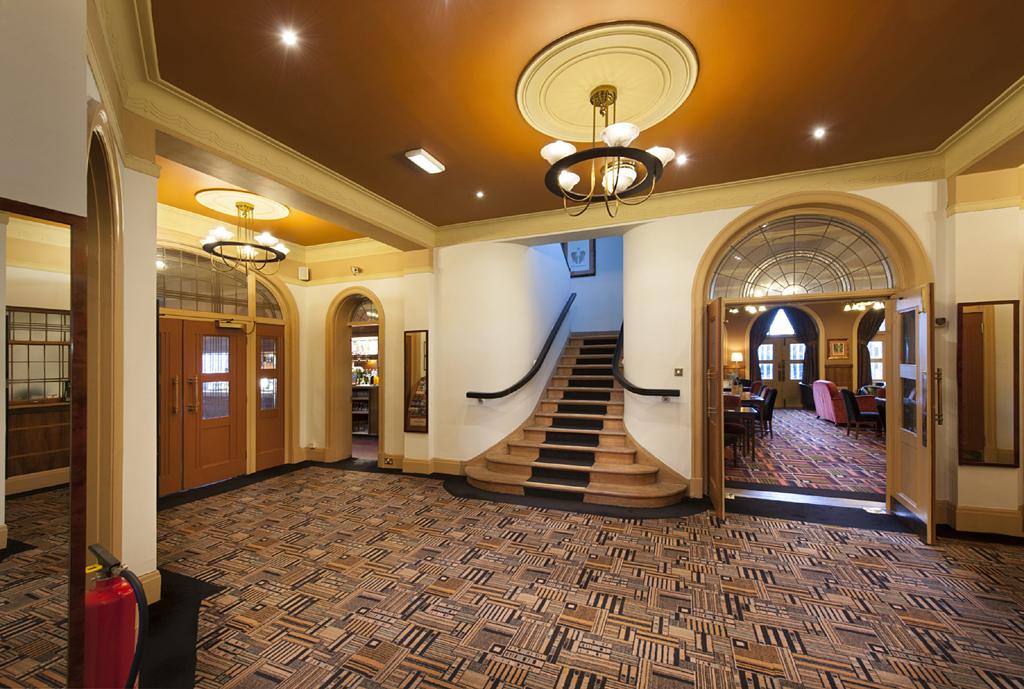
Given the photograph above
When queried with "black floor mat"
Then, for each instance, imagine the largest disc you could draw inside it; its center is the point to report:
(169, 656)
(14, 547)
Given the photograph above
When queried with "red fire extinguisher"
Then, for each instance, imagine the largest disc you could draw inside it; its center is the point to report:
(113, 649)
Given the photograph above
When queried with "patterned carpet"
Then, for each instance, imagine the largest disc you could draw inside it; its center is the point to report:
(34, 592)
(344, 579)
(810, 453)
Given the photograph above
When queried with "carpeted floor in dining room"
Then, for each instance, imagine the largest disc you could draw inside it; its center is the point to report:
(808, 452)
(347, 579)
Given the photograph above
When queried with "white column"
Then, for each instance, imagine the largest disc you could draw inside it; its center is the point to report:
(138, 250)
(4, 217)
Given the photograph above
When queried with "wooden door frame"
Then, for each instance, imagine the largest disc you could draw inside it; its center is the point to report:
(893, 411)
(79, 423)
(338, 391)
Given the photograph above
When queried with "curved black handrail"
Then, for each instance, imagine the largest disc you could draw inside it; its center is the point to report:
(536, 364)
(636, 390)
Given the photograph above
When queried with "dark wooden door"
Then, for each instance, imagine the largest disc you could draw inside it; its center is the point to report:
(714, 434)
(214, 424)
(169, 405)
(270, 385)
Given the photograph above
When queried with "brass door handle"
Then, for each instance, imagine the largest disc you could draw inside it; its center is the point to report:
(175, 394)
(938, 397)
(194, 382)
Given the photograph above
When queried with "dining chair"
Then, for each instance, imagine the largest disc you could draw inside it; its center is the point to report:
(766, 413)
(855, 418)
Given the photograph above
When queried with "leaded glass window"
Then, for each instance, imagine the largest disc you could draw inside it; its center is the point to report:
(189, 282)
(266, 303)
(364, 310)
(802, 254)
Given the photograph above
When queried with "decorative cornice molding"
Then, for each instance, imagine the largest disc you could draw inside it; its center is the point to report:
(997, 123)
(917, 167)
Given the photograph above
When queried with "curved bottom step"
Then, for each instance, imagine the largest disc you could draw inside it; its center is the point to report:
(651, 495)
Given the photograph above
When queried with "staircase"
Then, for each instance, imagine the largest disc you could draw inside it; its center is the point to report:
(575, 444)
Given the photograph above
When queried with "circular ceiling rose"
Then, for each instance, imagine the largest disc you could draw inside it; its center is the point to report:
(652, 67)
(225, 200)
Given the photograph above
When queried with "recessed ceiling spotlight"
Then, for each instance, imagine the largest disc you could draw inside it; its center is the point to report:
(289, 37)
(682, 159)
(425, 161)
(479, 194)
(819, 133)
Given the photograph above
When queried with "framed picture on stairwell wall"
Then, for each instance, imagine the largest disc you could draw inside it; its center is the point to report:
(581, 257)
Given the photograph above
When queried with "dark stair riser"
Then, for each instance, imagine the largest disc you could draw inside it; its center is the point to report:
(581, 461)
(554, 494)
(599, 341)
(605, 351)
(587, 424)
(569, 438)
(589, 396)
(591, 371)
(578, 457)
(590, 383)
(569, 408)
(560, 476)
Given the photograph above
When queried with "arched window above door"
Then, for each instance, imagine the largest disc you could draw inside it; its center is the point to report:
(364, 310)
(266, 303)
(186, 281)
(801, 254)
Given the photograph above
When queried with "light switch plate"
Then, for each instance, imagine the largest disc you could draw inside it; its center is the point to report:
(679, 372)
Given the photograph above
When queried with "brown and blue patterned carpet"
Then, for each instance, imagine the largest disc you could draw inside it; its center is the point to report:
(344, 579)
(34, 592)
(807, 452)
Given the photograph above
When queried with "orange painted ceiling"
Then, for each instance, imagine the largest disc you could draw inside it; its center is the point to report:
(177, 187)
(370, 80)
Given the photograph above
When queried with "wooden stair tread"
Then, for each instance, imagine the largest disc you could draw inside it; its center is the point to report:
(574, 448)
(648, 490)
(585, 431)
(597, 467)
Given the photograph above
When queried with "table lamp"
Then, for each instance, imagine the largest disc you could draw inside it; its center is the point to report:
(737, 357)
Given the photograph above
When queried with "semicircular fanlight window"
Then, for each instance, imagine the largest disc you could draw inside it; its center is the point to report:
(801, 254)
(364, 310)
(267, 305)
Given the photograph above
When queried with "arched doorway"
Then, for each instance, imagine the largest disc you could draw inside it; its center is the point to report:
(847, 253)
(355, 403)
(227, 371)
(104, 345)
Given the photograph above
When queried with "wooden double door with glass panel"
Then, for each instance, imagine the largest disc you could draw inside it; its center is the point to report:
(781, 360)
(202, 403)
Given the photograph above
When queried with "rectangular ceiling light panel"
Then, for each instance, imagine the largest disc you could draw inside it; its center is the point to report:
(425, 161)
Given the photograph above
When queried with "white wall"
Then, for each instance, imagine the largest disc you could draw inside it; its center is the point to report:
(41, 289)
(598, 305)
(987, 264)
(660, 262)
(496, 304)
(139, 319)
(43, 116)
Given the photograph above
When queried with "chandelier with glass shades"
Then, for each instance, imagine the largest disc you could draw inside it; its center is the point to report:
(616, 171)
(243, 249)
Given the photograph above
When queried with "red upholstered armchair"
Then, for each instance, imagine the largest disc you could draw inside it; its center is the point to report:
(829, 405)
